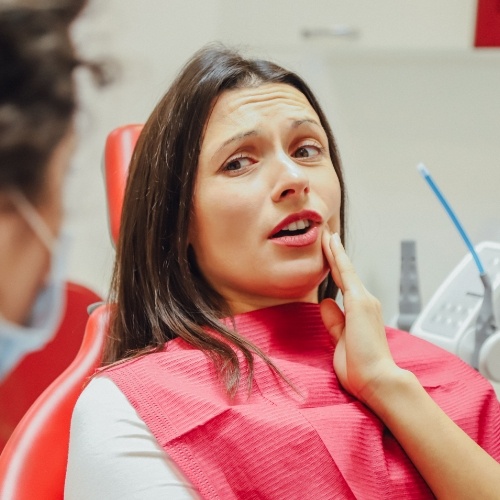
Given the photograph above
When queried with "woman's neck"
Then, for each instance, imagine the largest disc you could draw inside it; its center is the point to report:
(291, 327)
(241, 305)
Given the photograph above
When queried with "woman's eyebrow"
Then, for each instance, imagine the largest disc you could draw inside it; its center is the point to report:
(235, 138)
(298, 123)
(248, 133)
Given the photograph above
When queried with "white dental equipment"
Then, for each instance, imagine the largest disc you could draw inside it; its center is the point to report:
(460, 317)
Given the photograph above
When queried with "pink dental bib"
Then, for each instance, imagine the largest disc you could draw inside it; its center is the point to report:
(312, 441)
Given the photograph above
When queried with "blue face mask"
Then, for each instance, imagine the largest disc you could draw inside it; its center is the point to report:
(16, 341)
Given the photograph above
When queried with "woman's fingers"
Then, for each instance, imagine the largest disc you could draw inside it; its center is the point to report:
(362, 356)
(327, 251)
(333, 318)
(342, 270)
(350, 280)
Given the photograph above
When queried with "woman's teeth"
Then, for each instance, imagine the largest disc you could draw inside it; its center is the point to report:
(294, 229)
(297, 225)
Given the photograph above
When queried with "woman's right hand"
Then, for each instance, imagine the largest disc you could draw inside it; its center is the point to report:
(453, 465)
(362, 359)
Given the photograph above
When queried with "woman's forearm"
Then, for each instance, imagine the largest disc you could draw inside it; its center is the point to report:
(452, 464)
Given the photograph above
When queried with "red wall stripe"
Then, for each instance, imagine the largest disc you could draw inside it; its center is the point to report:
(488, 24)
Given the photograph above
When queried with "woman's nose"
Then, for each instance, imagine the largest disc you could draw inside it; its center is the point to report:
(291, 180)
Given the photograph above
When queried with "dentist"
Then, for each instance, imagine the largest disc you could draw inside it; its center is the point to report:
(37, 140)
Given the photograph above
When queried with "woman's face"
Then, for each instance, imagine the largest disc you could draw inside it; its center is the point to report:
(265, 191)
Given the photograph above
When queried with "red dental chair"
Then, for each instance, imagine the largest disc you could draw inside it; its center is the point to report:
(118, 153)
(36, 371)
(33, 462)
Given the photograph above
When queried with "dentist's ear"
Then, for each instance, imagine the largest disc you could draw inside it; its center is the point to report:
(6, 204)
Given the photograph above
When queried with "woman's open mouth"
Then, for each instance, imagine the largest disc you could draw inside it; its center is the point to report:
(297, 230)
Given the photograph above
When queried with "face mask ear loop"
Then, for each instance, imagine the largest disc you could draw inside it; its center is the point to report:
(33, 218)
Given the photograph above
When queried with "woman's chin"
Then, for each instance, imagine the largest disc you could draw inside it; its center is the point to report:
(298, 287)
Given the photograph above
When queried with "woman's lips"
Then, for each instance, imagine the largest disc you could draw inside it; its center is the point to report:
(299, 240)
(307, 222)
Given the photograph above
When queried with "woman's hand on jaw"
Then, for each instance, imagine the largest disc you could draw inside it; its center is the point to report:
(362, 360)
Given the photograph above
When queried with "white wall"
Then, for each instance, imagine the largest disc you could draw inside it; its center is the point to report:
(389, 108)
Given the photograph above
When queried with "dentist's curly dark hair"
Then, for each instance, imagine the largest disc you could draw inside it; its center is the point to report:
(37, 91)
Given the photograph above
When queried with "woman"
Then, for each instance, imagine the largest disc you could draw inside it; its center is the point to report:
(220, 381)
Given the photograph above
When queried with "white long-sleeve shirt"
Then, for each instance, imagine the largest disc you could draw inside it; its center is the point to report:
(114, 455)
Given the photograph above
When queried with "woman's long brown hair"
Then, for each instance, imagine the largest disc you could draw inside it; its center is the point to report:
(157, 291)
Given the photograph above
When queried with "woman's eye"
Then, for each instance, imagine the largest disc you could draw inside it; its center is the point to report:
(307, 151)
(237, 164)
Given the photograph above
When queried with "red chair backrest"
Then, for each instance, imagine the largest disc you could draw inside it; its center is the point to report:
(33, 463)
(117, 155)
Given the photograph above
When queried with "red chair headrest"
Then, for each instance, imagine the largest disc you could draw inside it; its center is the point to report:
(120, 145)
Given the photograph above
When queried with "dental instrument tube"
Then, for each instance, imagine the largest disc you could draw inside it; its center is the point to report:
(427, 176)
(485, 324)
